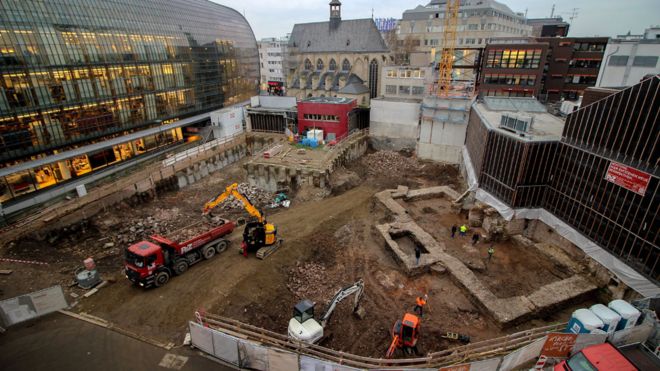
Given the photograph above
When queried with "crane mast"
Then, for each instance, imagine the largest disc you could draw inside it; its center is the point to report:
(449, 45)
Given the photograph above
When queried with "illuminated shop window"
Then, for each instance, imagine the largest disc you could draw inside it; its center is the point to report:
(81, 165)
(44, 176)
(20, 183)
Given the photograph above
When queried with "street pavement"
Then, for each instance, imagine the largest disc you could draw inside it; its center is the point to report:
(60, 342)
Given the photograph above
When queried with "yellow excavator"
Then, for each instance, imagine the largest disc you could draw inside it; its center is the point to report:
(258, 235)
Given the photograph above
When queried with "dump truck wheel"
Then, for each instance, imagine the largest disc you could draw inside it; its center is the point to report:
(208, 252)
(180, 267)
(161, 279)
(221, 246)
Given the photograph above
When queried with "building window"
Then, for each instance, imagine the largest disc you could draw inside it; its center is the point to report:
(509, 58)
(346, 65)
(645, 61)
(618, 60)
(588, 47)
(390, 89)
(584, 63)
(315, 117)
(332, 66)
(319, 65)
(308, 65)
(373, 79)
(391, 73)
(404, 90)
(417, 90)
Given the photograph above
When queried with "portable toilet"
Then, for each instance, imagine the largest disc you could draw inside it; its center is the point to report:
(609, 317)
(584, 321)
(629, 314)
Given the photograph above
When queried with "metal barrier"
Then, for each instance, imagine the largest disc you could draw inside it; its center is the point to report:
(32, 305)
(481, 352)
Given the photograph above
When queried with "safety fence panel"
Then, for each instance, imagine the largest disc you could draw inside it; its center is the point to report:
(281, 360)
(637, 334)
(314, 364)
(202, 338)
(587, 340)
(32, 305)
(491, 364)
(523, 355)
(252, 356)
(225, 347)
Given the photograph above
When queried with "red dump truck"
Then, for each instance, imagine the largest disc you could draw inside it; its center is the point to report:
(152, 263)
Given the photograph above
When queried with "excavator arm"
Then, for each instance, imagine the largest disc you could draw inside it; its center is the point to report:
(357, 288)
(393, 346)
(232, 190)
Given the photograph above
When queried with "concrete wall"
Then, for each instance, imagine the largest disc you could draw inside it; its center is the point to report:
(272, 177)
(394, 124)
(443, 129)
(628, 75)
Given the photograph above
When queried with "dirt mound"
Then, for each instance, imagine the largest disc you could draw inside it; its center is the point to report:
(342, 180)
(257, 196)
(388, 163)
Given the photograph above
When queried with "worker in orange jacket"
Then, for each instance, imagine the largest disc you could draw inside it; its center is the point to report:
(420, 302)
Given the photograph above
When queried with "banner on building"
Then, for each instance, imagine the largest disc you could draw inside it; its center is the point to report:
(628, 178)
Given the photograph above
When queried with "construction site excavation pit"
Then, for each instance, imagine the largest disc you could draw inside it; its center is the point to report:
(515, 284)
(329, 243)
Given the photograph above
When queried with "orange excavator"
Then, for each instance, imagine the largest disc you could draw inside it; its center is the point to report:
(405, 334)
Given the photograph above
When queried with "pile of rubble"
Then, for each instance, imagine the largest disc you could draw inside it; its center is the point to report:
(309, 281)
(257, 196)
(388, 162)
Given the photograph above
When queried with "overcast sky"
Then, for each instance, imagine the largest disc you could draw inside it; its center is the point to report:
(275, 18)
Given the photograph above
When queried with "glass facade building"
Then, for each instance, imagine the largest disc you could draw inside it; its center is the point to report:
(77, 72)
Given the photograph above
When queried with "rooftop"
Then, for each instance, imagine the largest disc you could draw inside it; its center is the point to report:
(328, 100)
(545, 127)
(354, 35)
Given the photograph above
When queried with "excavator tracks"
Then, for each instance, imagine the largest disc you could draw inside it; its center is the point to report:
(264, 252)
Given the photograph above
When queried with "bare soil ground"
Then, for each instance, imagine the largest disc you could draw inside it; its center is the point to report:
(329, 243)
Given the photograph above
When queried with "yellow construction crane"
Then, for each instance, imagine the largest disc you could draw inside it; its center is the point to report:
(449, 44)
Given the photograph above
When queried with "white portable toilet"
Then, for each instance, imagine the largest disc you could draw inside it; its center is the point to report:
(609, 317)
(629, 314)
(584, 321)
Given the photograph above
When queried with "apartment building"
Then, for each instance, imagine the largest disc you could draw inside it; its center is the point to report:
(272, 67)
(630, 58)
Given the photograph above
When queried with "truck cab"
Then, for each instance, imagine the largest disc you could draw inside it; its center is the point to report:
(606, 357)
(142, 261)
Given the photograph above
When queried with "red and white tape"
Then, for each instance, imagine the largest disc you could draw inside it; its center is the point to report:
(541, 362)
(23, 261)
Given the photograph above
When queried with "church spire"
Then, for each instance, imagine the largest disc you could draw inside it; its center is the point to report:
(335, 10)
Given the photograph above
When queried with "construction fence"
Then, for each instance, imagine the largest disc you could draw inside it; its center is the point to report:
(251, 347)
(29, 306)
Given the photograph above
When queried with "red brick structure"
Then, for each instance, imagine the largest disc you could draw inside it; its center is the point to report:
(331, 114)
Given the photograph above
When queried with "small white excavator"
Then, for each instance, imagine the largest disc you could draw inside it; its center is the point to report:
(304, 328)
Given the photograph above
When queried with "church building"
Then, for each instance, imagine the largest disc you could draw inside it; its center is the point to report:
(338, 58)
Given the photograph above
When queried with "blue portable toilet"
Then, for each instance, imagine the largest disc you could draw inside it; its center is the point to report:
(629, 314)
(584, 321)
(609, 317)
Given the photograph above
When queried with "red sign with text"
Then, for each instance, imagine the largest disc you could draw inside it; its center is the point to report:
(558, 345)
(628, 178)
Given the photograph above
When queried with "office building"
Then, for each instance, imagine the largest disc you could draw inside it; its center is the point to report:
(421, 29)
(630, 58)
(89, 85)
(549, 68)
(598, 177)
